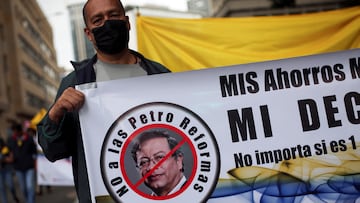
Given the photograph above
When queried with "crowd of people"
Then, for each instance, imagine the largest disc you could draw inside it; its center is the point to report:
(18, 163)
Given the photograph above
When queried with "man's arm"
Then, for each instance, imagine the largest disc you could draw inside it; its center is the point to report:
(53, 141)
(58, 129)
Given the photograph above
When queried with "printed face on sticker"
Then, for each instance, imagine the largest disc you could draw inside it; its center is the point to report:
(160, 165)
(152, 156)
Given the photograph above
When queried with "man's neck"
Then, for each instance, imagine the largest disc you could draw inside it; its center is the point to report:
(124, 57)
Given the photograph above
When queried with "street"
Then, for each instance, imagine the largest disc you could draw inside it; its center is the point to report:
(58, 194)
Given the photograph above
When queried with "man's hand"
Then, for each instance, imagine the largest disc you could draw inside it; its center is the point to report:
(70, 100)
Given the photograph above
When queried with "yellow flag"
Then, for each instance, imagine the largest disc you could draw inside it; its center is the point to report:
(37, 118)
(188, 44)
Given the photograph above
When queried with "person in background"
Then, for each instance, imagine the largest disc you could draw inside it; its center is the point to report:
(39, 188)
(24, 150)
(7, 171)
(5, 156)
(107, 27)
(166, 177)
(8, 168)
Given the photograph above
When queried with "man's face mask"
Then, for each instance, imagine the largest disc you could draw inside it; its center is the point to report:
(112, 37)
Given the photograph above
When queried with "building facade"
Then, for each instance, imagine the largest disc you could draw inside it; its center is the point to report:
(29, 75)
(83, 48)
(237, 8)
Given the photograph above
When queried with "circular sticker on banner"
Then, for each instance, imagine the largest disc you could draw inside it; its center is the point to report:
(159, 151)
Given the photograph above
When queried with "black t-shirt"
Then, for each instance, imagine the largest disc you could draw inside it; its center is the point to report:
(24, 152)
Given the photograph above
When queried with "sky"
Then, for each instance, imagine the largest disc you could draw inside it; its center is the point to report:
(58, 16)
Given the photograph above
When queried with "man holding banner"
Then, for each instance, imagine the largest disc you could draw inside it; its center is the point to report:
(107, 27)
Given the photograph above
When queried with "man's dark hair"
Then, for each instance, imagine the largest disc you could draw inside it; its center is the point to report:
(156, 134)
(84, 10)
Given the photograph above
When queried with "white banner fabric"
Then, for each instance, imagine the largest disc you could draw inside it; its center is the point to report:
(57, 173)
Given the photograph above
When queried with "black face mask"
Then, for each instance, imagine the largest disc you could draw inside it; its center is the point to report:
(112, 37)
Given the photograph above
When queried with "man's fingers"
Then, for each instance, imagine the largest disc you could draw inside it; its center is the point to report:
(68, 105)
(70, 100)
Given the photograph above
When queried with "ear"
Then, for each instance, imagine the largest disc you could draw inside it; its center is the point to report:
(179, 161)
(128, 23)
(88, 34)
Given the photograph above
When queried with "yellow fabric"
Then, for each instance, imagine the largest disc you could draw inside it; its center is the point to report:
(5, 150)
(187, 44)
(37, 118)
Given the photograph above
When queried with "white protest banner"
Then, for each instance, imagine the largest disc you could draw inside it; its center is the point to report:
(285, 130)
(57, 173)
